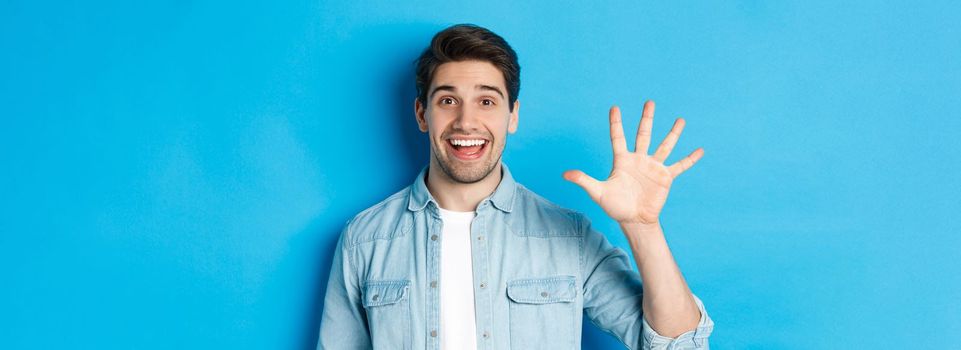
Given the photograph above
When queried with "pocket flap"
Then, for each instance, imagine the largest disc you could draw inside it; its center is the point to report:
(377, 293)
(547, 290)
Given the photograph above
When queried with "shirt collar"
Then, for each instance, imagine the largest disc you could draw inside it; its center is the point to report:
(502, 198)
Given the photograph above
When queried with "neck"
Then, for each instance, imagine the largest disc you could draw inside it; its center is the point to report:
(456, 196)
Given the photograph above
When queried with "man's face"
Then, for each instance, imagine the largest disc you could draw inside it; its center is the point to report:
(467, 119)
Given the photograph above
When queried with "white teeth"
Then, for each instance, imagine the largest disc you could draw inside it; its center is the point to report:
(467, 142)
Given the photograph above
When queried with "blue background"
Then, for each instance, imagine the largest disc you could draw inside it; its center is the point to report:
(175, 174)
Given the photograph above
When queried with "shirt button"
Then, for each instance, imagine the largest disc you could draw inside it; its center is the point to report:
(375, 297)
(486, 335)
(433, 333)
(433, 237)
(433, 284)
(480, 238)
(483, 285)
(544, 294)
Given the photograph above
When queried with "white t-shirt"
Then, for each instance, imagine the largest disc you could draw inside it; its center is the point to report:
(458, 328)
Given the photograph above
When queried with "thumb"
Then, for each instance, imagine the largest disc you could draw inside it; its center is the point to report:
(588, 183)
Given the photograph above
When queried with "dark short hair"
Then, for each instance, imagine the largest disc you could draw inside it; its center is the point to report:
(464, 42)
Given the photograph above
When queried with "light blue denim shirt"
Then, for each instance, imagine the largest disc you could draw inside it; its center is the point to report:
(537, 269)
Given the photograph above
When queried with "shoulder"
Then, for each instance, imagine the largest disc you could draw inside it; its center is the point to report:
(534, 215)
(385, 220)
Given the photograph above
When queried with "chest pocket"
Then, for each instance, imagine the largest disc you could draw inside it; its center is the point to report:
(388, 313)
(542, 312)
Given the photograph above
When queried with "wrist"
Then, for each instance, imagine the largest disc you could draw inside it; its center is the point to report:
(640, 227)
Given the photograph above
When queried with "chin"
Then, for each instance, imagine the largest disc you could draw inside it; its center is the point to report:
(467, 174)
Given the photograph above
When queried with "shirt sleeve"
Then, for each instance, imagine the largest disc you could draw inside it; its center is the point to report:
(344, 321)
(612, 299)
(693, 339)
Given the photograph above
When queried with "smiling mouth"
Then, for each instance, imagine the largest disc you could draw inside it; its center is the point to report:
(467, 149)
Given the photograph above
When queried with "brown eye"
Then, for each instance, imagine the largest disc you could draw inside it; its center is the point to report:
(487, 102)
(446, 101)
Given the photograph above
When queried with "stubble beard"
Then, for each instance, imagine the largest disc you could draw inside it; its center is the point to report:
(469, 174)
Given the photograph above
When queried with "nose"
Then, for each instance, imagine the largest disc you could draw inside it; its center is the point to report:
(466, 120)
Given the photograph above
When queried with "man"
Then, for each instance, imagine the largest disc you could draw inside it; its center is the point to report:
(467, 258)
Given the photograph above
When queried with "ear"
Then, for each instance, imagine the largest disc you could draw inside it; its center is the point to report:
(512, 123)
(419, 115)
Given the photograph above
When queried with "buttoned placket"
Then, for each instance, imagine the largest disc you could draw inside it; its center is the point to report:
(434, 238)
(479, 257)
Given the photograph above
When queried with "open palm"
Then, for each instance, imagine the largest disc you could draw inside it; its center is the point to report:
(638, 185)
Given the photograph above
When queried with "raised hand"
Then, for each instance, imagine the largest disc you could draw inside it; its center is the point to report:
(637, 187)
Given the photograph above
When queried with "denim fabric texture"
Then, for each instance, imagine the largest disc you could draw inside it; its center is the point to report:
(538, 268)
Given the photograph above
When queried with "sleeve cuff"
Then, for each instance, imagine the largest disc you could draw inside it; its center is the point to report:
(694, 339)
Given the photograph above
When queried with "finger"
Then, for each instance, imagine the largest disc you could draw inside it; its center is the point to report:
(644, 130)
(617, 131)
(588, 183)
(686, 163)
(667, 145)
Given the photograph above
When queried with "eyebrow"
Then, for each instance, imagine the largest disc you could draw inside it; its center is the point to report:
(490, 88)
(478, 86)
